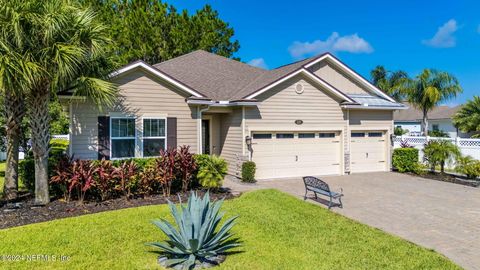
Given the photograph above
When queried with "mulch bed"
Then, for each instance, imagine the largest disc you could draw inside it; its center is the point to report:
(446, 177)
(25, 212)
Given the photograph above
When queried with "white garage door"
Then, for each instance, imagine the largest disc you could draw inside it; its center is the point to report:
(368, 151)
(292, 154)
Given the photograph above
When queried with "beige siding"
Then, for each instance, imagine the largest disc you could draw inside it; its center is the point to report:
(141, 95)
(371, 119)
(337, 78)
(231, 140)
(84, 130)
(280, 107)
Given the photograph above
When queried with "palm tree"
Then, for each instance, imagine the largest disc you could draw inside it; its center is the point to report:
(65, 42)
(13, 101)
(391, 82)
(430, 88)
(467, 119)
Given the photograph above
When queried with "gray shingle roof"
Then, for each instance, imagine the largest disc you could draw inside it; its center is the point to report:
(414, 114)
(217, 77)
(221, 78)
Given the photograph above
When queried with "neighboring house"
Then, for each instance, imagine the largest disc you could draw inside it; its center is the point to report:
(312, 117)
(439, 119)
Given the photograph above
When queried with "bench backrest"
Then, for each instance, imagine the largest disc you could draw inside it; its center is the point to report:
(316, 183)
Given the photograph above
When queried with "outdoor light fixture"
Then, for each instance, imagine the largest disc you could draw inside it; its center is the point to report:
(248, 141)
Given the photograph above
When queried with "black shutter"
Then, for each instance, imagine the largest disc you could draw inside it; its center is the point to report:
(171, 132)
(103, 137)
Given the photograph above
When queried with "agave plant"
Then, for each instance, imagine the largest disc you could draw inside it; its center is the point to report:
(197, 242)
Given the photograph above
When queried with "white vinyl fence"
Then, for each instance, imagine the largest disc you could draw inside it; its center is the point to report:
(470, 147)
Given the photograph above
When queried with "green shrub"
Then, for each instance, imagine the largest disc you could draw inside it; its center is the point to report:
(405, 159)
(438, 133)
(26, 170)
(398, 131)
(468, 166)
(211, 170)
(248, 171)
(439, 153)
(59, 143)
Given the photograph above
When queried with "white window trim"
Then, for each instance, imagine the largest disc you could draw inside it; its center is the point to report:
(154, 137)
(122, 138)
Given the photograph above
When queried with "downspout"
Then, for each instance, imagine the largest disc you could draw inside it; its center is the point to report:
(346, 157)
(199, 127)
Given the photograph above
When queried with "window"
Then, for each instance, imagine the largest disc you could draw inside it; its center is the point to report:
(375, 134)
(358, 134)
(153, 136)
(122, 137)
(435, 127)
(284, 135)
(306, 135)
(326, 135)
(262, 136)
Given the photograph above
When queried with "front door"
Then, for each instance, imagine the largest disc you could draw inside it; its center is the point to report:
(206, 136)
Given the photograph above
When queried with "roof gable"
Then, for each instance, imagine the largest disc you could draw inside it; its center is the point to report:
(156, 72)
(212, 77)
(342, 67)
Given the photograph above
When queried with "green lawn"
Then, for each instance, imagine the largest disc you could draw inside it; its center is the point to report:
(278, 230)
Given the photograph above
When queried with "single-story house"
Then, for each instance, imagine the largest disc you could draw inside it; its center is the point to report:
(439, 119)
(312, 117)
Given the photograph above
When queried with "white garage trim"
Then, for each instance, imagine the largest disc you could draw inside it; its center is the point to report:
(368, 152)
(307, 152)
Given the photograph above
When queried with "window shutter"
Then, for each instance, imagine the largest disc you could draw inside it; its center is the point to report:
(103, 137)
(171, 132)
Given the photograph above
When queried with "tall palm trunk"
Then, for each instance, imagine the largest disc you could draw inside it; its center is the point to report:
(40, 125)
(425, 123)
(14, 112)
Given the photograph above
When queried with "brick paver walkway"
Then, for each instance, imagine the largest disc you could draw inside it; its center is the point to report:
(437, 215)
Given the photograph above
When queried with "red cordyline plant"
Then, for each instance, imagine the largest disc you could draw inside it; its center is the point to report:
(405, 144)
(148, 178)
(185, 165)
(165, 165)
(105, 178)
(82, 177)
(126, 173)
(63, 176)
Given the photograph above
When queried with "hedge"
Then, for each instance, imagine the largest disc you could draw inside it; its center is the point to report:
(248, 171)
(405, 159)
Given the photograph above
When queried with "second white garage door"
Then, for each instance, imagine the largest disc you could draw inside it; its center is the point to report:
(368, 151)
(293, 154)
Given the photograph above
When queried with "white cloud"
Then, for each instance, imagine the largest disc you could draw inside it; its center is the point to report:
(258, 62)
(444, 37)
(334, 43)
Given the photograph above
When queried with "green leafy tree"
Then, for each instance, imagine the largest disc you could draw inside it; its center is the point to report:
(467, 119)
(154, 31)
(62, 45)
(391, 82)
(430, 88)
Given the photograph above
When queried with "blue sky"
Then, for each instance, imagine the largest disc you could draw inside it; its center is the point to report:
(410, 36)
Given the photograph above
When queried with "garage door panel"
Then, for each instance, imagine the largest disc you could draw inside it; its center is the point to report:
(293, 157)
(368, 154)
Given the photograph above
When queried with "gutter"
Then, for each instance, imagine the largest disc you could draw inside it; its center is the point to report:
(211, 103)
(363, 107)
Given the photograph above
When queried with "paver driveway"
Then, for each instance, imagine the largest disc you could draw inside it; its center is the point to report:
(437, 215)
